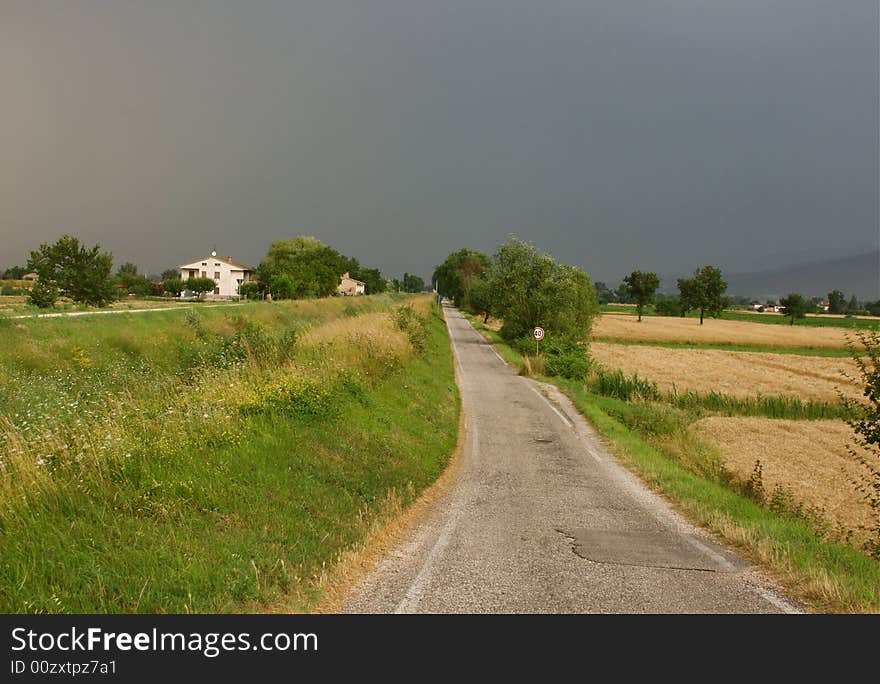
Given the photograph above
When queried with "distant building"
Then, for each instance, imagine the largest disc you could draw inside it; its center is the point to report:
(824, 305)
(29, 276)
(348, 286)
(226, 274)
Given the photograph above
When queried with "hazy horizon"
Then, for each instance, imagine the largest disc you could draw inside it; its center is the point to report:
(612, 135)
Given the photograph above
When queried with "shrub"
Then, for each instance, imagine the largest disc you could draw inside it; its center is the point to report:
(410, 323)
(43, 294)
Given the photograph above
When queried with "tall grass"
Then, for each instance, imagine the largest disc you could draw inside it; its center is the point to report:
(617, 385)
(209, 461)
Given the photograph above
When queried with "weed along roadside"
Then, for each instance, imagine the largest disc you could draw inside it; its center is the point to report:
(808, 545)
(213, 461)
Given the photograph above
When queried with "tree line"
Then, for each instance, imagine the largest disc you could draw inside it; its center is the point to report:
(705, 291)
(293, 268)
(526, 288)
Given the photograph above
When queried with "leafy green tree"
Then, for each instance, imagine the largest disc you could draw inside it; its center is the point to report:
(81, 274)
(530, 289)
(853, 305)
(173, 286)
(128, 269)
(836, 302)
(395, 285)
(641, 287)
(604, 293)
(454, 276)
(374, 281)
(668, 306)
(313, 269)
(170, 274)
(43, 294)
(200, 286)
(281, 286)
(794, 306)
(622, 295)
(252, 289)
(13, 273)
(412, 283)
(704, 292)
(480, 297)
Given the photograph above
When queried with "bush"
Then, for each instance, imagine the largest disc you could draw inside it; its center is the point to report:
(409, 322)
(43, 294)
(668, 306)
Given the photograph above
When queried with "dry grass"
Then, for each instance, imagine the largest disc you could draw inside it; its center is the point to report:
(689, 331)
(739, 374)
(809, 459)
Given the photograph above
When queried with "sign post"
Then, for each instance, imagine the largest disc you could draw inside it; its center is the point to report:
(538, 332)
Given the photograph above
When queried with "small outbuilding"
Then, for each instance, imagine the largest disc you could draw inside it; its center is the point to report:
(349, 287)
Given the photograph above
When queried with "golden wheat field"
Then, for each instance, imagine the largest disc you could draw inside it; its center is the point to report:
(689, 330)
(740, 374)
(807, 458)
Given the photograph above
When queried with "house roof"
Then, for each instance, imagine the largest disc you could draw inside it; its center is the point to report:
(224, 260)
(345, 276)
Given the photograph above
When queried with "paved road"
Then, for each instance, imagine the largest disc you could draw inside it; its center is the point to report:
(542, 519)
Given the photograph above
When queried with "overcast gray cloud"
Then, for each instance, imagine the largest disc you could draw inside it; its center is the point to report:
(614, 134)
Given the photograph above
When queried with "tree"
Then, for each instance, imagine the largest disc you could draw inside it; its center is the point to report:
(668, 306)
(173, 286)
(170, 274)
(530, 289)
(621, 294)
(454, 276)
(412, 283)
(480, 297)
(641, 287)
(43, 294)
(281, 286)
(128, 269)
(14, 273)
(313, 269)
(603, 293)
(704, 292)
(374, 281)
(200, 286)
(853, 305)
(81, 274)
(794, 306)
(836, 302)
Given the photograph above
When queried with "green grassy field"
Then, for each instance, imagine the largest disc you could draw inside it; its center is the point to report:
(817, 321)
(649, 432)
(212, 460)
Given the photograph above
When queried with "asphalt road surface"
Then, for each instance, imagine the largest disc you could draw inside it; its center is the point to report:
(542, 519)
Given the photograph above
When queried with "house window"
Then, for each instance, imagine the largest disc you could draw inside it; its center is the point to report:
(216, 275)
(216, 290)
(204, 263)
(204, 274)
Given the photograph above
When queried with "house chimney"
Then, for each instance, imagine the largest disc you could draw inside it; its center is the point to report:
(229, 259)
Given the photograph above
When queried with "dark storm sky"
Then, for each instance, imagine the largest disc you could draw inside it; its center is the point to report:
(614, 134)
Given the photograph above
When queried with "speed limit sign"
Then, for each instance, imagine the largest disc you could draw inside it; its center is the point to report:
(539, 334)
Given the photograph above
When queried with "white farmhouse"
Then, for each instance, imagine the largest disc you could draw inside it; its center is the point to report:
(226, 274)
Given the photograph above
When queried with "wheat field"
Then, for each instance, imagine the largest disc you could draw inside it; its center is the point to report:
(807, 458)
(739, 374)
(689, 331)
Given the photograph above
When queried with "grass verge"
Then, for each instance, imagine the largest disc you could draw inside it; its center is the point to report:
(214, 508)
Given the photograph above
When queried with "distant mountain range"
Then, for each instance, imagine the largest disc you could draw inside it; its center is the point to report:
(854, 274)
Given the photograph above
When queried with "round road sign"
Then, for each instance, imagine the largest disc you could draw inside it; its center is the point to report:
(539, 333)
